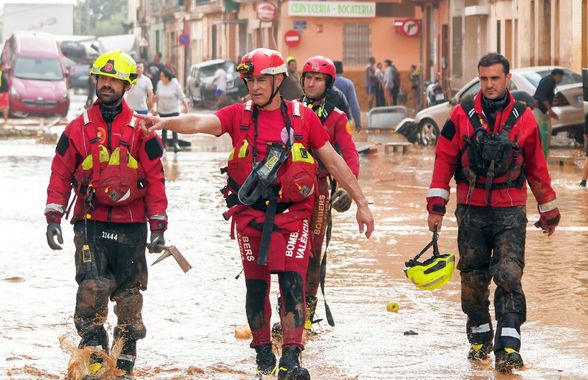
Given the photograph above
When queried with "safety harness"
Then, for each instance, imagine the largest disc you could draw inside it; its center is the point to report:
(109, 178)
(493, 157)
(259, 189)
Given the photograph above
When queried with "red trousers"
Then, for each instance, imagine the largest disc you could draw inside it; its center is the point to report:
(288, 258)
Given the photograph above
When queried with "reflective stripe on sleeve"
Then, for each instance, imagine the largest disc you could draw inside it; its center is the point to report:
(54, 207)
(442, 193)
(548, 206)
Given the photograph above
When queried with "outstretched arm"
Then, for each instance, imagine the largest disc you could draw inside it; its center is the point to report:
(338, 168)
(187, 123)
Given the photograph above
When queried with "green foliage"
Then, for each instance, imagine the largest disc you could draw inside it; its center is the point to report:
(102, 17)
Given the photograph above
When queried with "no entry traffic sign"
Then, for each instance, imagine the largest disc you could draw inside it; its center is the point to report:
(292, 37)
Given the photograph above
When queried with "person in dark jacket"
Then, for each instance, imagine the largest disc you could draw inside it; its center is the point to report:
(543, 112)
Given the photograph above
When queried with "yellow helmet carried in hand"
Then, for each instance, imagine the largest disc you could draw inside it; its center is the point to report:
(432, 273)
(116, 64)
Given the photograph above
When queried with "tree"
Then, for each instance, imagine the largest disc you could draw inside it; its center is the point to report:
(102, 17)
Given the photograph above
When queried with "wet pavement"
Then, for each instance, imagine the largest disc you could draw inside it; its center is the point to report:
(191, 318)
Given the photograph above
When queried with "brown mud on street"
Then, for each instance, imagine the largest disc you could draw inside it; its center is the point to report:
(191, 318)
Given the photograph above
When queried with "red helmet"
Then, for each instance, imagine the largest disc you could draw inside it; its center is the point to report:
(320, 64)
(262, 61)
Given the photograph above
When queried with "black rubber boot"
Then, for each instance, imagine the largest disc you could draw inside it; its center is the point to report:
(507, 360)
(479, 351)
(289, 368)
(126, 359)
(265, 360)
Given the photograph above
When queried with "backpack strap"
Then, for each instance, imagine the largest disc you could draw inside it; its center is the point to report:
(515, 113)
(246, 116)
(468, 107)
(297, 115)
(90, 130)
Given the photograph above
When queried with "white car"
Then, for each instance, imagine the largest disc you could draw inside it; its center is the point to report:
(568, 103)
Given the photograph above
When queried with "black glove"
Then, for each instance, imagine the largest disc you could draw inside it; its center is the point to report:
(54, 229)
(156, 239)
(341, 201)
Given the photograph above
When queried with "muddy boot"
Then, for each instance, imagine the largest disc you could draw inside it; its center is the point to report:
(311, 302)
(479, 351)
(582, 183)
(126, 360)
(289, 368)
(507, 360)
(265, 360)
(95, 365)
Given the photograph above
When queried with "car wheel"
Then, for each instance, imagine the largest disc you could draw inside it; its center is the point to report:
(428, 132)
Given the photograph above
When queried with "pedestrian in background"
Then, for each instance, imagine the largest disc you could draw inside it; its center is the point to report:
(4, 92)
(380, 99)
(219, 85)
(347, 87)
(415, 84)
(154, 69)
(388, 82)
(371, 82)
(543, 111)
(396, 87)
(491, 206)
(169, 96)
(140, 96)
(291, 89)
(114, 205)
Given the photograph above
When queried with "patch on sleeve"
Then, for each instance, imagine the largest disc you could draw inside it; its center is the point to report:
(153, 148)
(348, 128)
(448, 130)
(62, 144)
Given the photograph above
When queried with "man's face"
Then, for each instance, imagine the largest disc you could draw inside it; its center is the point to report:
(139, 69)
(261, 87)
(493, 81)
(292, 66)
(558, 78)
(314, 85)
(109, 90)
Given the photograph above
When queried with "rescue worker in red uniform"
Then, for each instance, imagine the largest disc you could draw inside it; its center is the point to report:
(113, 203)
(492, 146)
(270, 194)
(318, 77)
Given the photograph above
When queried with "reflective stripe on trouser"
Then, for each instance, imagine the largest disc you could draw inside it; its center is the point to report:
(318, 227)
(491, 246)
(119, 272)
(291, 280)
(508, 332)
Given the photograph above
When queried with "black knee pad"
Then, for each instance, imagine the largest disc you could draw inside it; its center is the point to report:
(255, 303)
(292, 291)
(508, 275)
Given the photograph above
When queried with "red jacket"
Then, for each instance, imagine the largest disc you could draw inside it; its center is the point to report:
(451, 144)
(74, 146)
(337, 126)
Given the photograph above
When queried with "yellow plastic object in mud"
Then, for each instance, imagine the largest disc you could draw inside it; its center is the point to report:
(243, 332)
(392, 307)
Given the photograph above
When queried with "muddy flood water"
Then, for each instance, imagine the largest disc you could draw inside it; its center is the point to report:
(191, 318)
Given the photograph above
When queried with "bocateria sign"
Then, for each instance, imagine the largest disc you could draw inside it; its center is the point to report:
(331, 9)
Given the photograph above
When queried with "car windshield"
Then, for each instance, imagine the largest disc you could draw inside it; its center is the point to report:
(569, 77)
(208, 71)
(38, 69)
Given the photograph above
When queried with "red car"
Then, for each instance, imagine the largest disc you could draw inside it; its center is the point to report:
(36, 73)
